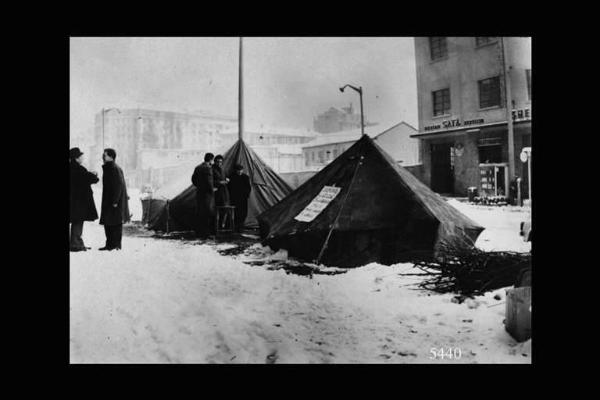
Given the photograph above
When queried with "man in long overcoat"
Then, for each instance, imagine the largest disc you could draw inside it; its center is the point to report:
(220, 182)
(115, 207)
(202, 179)
(239, 191)
(82, 207)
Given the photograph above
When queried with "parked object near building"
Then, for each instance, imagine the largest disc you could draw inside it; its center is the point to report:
(381, 213)
(174, 207)
(475, 111)
(525, 230)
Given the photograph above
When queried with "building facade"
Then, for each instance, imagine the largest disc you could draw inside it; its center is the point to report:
(463, 118)
(396, 140)
(150, 139)
(279, 147)
(338, 120)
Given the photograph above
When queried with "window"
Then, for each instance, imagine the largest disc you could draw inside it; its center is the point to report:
(489, 92)
(490, 154)
(438, 47)
(528, 74)
(483, 40)
(441, 102)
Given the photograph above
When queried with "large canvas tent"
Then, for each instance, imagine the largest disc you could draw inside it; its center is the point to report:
(382, 213)
(177, 212)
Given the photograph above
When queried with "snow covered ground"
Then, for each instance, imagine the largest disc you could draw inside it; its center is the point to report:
(169, 301)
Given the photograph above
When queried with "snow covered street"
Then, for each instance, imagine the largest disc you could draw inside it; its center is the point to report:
(170, 301)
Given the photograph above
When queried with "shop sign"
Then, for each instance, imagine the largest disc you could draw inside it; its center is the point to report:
(454, 123)
(521, 114)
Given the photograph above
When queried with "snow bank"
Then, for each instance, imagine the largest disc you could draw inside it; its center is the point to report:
(165, 301)
(501, 225)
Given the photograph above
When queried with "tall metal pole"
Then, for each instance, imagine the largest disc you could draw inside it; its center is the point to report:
(362, 118)
(509, 119)
(240, 97)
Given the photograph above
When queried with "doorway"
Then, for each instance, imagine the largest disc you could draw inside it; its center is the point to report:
(442, 171)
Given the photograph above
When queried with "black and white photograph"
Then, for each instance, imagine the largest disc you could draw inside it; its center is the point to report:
(300, 200)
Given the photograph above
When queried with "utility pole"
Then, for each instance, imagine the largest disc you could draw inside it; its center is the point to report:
(240, 97)
(509, 118)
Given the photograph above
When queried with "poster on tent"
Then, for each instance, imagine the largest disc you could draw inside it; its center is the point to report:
(318, 204)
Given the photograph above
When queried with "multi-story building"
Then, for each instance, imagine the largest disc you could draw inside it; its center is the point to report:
(337, 120)
(279, 147)
(84, 139)
(147, 140)
(463, 118)
(394, 139)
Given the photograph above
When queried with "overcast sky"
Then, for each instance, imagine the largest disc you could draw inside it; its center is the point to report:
(287, 81)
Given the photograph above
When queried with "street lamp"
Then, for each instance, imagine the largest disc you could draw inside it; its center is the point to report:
(362, 120)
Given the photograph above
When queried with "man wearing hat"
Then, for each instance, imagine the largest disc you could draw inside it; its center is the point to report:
(115, 207)
(82, 207)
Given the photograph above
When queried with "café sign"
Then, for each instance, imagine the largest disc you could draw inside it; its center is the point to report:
(523, 114)
(454, 123)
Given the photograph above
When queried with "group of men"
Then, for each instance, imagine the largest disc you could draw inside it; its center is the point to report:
(114, 210)
(213, 189)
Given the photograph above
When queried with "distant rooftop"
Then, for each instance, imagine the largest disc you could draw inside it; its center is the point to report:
(274, 130)
(184, 113)
(353, 135)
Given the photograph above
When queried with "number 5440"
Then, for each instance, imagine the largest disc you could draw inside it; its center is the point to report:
(448, 353)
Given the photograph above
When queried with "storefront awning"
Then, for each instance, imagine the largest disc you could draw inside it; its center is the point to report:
(464, 130)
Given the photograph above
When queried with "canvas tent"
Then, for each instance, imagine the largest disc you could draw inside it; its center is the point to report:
(382, 213)
(174, 208)
(154, 212)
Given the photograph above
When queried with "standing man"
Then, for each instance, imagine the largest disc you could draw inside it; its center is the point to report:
(82, 199)
(239, 190)
(202, 179)
(115, 208)
(220, 182)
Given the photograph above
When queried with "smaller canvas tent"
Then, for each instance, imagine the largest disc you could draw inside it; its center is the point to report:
(174, 207)
(381, 213)
(154, 209)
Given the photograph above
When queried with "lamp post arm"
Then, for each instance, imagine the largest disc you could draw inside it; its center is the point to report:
(359, 90)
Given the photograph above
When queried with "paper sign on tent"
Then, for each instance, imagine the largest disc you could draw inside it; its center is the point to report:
(318, 204)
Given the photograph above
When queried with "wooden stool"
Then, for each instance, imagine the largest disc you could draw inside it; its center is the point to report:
(224, 214)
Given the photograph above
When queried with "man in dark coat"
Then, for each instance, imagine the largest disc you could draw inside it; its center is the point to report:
(115, 207)
(81, 199)
(202, 179)
(239, 191)
(220, 182)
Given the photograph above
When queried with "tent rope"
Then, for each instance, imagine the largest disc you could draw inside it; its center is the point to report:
(339, 212)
